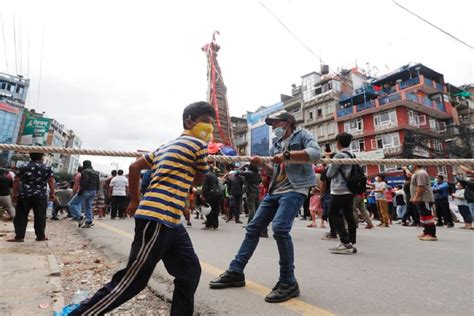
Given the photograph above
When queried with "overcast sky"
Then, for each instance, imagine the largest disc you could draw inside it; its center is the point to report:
(119, 73)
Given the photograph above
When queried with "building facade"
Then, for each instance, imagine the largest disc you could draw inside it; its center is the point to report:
(261, 135)
(13, 93)
(403, 114)
(240, 131)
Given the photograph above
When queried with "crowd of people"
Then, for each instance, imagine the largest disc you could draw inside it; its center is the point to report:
(176, 179)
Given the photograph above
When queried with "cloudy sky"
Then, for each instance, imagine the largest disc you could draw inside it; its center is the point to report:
(119, 73)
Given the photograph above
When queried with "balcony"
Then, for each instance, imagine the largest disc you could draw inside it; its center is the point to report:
(440, 106)
(344, 112)
(390, 98)
(365, 106)
(394, 150)
(430, 86)
(427, 102)
(385, 126)
(409, 83)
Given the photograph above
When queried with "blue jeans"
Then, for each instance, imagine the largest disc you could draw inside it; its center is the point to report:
(401, 209)
(471, 207)
(281, 210)
(85, 199)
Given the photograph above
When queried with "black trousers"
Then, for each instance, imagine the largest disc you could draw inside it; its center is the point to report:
(213, 217)
(443, 212)
(23, 207)
(118, 205)
(152, 242)
(413, 212)
(344, 203)
(235, 206)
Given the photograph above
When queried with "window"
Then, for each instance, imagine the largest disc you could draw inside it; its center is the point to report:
(416, 119)
(437, 145)
(357, 145)
(319, 112)
(386, 141)
(354, 126)
(321, 130)
(260, 141)
(311, 115)
(385, 119)
(329, 109)
(388, 168)
(442, 170)
(331, 128)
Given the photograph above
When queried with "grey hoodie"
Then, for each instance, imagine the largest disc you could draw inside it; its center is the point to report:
(338, 184)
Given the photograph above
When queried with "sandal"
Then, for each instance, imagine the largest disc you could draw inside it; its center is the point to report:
(15, 240)
(312, 225)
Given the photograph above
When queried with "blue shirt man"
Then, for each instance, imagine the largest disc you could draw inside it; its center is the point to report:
(287, 193)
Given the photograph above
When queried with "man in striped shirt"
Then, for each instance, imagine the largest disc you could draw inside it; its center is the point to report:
(159, 234)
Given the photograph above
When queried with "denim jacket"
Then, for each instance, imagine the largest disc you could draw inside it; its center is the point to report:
(300, 175)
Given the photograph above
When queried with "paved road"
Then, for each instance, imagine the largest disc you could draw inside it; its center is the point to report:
(392, 274)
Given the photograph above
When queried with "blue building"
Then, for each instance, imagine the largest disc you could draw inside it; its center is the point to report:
(261, 134)
(13, 92)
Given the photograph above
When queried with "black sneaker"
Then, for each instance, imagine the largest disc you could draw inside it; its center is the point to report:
(228, 279)
(283, 292)
(87, 225)
(264, 235)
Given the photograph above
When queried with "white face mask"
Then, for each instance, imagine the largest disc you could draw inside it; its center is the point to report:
(279, 132)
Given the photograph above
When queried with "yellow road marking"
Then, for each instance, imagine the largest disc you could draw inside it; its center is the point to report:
(295, 305)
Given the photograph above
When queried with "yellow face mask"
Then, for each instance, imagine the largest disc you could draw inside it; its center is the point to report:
(202, 131)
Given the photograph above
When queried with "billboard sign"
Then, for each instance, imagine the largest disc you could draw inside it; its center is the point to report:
(263, 112)
(36, 131)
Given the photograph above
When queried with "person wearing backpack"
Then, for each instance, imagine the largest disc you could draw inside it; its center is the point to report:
(212, 194)
(342, 198)
(88, 189)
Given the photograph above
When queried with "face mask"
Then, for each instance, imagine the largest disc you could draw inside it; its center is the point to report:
(279, 132)
(202, 131)
(458, 187)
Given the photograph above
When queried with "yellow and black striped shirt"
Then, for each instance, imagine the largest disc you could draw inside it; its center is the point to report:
(174, 166)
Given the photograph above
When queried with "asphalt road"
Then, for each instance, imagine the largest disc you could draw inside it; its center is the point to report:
(392, 274)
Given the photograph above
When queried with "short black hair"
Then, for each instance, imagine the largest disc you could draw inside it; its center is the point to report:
(36, 156)
(120, 172)
(197, 109)
(440, 177)
(344, 139)
(87, 164)
(114, 172)
(80, 168)
(381, 176)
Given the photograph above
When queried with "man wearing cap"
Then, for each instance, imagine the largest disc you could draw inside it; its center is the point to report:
(287, 192)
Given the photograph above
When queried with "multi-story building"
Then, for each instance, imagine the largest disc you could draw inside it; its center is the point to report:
(320, 97)
(404, 113)
(293, 104)
(261, 135)
(240, 131)
(71, 162)
(13, 92)
(38, 130)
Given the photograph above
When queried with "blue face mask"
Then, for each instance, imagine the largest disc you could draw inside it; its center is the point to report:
(279, 132)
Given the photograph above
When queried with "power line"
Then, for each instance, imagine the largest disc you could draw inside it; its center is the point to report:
(14, 42)
(291, 32)
(4, 43)
(433, 25)
(40, 71)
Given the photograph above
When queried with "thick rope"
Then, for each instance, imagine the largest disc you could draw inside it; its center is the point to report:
(233, 159)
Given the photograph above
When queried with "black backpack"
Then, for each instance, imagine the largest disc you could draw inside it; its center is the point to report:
(357, 181)
(469, 191)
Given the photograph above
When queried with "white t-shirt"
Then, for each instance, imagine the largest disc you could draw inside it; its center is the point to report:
(119, 186)
(380, 186)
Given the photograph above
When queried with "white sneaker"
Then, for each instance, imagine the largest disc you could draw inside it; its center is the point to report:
(343, 249)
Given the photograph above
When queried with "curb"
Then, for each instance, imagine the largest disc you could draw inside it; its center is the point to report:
(55, 282)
